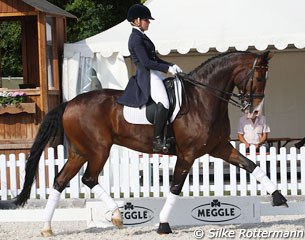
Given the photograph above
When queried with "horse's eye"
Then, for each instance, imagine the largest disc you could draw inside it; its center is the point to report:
(264, 78)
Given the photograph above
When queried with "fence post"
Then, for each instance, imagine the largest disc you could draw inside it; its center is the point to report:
(302, 159)
(218, 177)
(134, 173)
(283, 171)
(42, 179)
(195, 184)
(146, 175)
(116, 172)
(3, 176)
(13, 175)
(262, 158)
(165, 174)
(156, 175)
(125, 167)
(61, 162)
(293, 171)
(206, 160)
(21, 169)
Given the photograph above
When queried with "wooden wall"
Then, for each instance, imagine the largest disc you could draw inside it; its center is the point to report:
(15, 6)
(18, 131)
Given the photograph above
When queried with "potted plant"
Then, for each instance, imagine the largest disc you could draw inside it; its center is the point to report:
(14, 102)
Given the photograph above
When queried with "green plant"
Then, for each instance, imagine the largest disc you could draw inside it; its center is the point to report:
(12, 98)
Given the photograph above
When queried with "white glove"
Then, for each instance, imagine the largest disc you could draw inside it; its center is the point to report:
(174, 69)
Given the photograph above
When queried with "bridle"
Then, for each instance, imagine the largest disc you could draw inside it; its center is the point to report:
(242, 100)
(246, 99)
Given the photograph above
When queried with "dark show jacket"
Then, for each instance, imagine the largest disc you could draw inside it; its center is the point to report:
(143, 55)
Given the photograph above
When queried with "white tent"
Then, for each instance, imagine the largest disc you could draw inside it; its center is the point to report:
(188, 32)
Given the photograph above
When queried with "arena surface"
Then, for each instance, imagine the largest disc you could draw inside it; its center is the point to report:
(271, 227)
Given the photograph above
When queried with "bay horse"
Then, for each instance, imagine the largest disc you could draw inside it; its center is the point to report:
(92, 122)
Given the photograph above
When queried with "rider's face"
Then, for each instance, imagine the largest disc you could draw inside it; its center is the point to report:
(144, 24)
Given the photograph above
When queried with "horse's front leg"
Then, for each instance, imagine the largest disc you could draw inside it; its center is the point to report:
(180, 173)
(228, 153)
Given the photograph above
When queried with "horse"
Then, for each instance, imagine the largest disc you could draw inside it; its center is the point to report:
(92, 122)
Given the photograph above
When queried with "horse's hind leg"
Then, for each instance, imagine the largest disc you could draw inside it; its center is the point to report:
(72, 166)
(90, 179)
(227, 152)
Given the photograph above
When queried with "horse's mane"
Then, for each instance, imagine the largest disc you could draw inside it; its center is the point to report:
(219, 60)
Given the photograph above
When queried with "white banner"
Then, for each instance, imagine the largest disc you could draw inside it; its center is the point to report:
(187, 211)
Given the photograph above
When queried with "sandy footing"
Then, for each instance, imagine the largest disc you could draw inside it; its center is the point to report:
(275, 226)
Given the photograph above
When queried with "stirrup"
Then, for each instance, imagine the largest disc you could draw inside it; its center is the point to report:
(159, 146)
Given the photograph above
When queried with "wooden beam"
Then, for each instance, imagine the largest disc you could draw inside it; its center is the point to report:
(55, 61)
(25, 71)
(18, 14)
(43, 78)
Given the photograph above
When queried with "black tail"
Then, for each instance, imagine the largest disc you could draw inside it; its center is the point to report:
(47, 130)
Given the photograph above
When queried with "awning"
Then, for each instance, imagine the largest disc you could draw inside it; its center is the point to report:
(208, 24)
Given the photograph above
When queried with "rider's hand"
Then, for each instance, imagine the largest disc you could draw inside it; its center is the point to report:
(174, 69)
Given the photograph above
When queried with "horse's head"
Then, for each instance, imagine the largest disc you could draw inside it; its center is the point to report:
(251, 78)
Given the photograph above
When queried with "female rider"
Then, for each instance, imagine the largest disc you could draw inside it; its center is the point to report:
(148, 81)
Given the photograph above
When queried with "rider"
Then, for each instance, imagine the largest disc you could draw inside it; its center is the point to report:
(148, 81)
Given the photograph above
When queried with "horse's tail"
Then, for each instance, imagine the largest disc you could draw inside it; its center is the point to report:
(50, 125)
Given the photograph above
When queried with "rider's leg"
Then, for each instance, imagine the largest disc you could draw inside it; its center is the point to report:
(159, 95)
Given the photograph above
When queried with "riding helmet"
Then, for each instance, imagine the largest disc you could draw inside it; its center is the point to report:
(138, 11)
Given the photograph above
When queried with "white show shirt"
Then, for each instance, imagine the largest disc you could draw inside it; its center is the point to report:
(253, 131)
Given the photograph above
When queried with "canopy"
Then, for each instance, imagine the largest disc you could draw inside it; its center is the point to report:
(207, 24)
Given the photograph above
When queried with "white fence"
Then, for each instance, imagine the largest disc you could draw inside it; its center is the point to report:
(131, 174)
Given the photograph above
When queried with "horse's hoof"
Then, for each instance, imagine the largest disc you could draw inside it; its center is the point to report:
(278, 199)
(47, 233)
(164, 228)
(116, 219)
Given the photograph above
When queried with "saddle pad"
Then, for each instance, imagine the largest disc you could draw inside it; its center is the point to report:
(138, 115)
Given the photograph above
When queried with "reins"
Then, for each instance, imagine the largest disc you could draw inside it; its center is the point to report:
(233, 97)
(184, 77)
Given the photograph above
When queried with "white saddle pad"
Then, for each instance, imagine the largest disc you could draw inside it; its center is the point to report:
(138, 115)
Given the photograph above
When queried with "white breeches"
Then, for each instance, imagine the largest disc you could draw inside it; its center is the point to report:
(157, 90)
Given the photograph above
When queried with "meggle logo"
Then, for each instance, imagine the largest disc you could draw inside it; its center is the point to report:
(216, 212)
(134, 215)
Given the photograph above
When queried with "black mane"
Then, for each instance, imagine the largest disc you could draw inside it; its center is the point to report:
(219, 60)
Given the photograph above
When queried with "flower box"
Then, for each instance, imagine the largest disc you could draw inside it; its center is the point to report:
(18, 108)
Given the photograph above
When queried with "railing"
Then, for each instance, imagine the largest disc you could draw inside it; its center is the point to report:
(131, 174)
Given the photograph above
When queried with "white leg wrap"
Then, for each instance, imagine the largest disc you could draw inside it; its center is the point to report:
(168, 206)
(50, 208)
(100, 193)
(260, 176)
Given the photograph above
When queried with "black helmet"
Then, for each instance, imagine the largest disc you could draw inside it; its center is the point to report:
(138, 11)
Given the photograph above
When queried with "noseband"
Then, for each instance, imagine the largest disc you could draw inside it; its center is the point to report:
(245, 99)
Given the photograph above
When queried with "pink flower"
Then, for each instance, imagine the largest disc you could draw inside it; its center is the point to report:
(18, 94)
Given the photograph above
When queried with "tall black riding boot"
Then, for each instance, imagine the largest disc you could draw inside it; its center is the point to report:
(160, 121)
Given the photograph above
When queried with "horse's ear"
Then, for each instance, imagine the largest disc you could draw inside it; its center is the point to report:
(267, 55)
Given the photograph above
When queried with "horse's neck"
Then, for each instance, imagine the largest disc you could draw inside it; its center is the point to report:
(220, 81)
(208, 98)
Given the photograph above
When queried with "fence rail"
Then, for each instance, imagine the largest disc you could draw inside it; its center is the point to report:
(132, 174)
